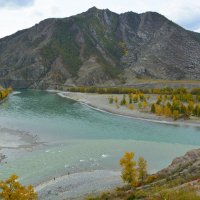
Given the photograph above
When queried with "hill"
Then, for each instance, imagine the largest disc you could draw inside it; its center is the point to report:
(99, 47)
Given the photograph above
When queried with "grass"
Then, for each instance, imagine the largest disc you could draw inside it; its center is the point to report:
(167, 191)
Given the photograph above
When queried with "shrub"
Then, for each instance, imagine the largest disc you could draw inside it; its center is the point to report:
(131, 106)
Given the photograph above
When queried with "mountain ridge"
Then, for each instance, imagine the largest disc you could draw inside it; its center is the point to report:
(99, 47)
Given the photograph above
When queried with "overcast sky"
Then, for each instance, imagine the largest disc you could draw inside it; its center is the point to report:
(19, 14)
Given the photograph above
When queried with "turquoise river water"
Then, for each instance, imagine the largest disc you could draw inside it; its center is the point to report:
(78, 138)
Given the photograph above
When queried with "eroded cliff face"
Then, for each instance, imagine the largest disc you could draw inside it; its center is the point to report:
(186, 166)
(99, 47)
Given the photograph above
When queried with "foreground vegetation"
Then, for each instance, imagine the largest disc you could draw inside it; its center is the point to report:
(155, 193)
(12, 189)
(140, 185)
(5, 92)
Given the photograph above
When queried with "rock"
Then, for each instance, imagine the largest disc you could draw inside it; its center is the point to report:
(187, 165)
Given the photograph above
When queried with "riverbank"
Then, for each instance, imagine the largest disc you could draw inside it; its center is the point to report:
(100, 102)
(79, 185)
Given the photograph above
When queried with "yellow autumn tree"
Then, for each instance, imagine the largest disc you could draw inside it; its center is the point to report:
(11, 189)
(139, 105)
(131, 106)
(4, 94)
(159, 110)
(175, 114)
(135, 98)
(142, 169)
(190, 106)
(167, 111)
(129, 169)
(144, 104)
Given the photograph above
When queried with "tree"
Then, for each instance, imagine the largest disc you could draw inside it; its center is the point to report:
(175, 114)
(123, 101)
(139, 105)
(159, 110)
(196, 110)
(144, 104)
(129, 170)
(167, 111)
(159, 100)
(131, 106)
(190, 106)
(198, 98)
(116, 99)
(130, 98)
(135, 98)
(142, 169)
(153, 108)
(165, 98)
(11, 189)
(110, 100)
(186, 113)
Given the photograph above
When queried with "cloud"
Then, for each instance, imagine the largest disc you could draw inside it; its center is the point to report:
(184, 12)
(15, 3)
(197, 30)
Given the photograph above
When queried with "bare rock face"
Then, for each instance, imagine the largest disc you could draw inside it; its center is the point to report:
(193, 155)
(99, 47)
(187, 165)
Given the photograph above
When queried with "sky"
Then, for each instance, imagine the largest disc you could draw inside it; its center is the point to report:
(20, 14)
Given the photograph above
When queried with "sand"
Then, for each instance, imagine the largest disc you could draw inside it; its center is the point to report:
(12, 140)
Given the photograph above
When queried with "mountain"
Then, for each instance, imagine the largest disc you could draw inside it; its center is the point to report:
(99, 47)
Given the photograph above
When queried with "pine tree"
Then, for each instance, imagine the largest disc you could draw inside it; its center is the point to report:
(153, 108)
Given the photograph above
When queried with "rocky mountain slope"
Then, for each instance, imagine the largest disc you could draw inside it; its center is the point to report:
(99, 47)
(185, 166)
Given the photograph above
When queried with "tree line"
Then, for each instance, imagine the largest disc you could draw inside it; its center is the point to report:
(182, 105)
(128, 90)
(177, 106)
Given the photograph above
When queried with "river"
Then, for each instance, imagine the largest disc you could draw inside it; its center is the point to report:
(77, 138)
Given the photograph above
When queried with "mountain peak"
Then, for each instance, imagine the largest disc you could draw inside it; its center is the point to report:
(92, 9)
(95, 10)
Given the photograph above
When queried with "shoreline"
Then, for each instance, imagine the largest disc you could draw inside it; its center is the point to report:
(85, 99)
(14, 141)
(79, 185)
